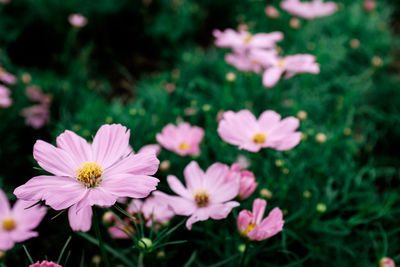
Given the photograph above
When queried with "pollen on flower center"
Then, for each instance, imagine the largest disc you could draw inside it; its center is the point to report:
(248, 38)
(281, 63)
(249, 228)
(9, 224)
(255, 62)
(184, 146)
(259, 138)
(89, 173)
(201, 198)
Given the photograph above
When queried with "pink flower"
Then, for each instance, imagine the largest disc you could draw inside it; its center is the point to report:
(268, 131)
(36, 116)
(182, 139)
(5, 99)
(45, 264)
(77, 20)
(242, 41)
(247, 181)
(122, 229)
(35, 94)
(207, 195)
(386, 262)
(369, 5)
(251, 225)
(16, 224)
(289, 66)
(309, 10)
(251, 61)
(89, 174)
(7, 77)
(271, 12)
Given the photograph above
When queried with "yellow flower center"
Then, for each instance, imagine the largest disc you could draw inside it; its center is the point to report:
(255, 62)
(259, 138)
(201, 198)
(281, 63)
(89, 174)
(9, 224)
(248, 38)
(248, 229)
(184, 146)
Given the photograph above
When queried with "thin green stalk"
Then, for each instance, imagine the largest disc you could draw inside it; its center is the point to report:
(243, 260)
(98, 235)
(140, 259)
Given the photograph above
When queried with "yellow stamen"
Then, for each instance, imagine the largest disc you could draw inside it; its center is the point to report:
(281, 63)
(9, 224)
(259, 138)
(248, 38)
(255, 62)
(89, 174)
(201, 197)
(248, 229)
(184, 146)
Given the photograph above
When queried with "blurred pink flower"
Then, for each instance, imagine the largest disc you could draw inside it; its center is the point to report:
(45, 264)
(5, 99)
(121, 229)
(77, 20)
(36, 116)
(271, 12)
(386, 262)
(207, 195)
(289, 66)
(269, 131)
(251, 225)
(182, 139)
(89, 174)
(247, 181)
(17, 223)
(35, 94)
(7, 77)
(4, 1)
(309, 10)
(369, 5)
(242, 41)
(251, 61)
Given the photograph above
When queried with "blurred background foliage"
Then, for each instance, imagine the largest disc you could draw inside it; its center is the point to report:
(148, 63)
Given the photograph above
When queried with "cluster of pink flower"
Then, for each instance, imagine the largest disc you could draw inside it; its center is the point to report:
(37, 115)
(9, 79)
(257, 53)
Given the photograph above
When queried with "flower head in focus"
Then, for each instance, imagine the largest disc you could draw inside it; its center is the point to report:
(206, 195)
(254, 227)
(183, 139)
(268, 131)
(90, 174)
(17, 223)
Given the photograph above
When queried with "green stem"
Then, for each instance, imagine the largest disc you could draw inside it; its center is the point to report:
(98, 235)
(140, 259)
(243, 260)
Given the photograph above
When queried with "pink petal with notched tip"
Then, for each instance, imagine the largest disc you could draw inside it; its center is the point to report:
(80, 220)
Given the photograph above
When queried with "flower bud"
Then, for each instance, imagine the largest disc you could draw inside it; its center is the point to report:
(145, 243)
(386, 262)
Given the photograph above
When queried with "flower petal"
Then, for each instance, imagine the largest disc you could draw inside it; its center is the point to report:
(194, 176)
(258, 210)
(80, 220)
(4, 204)
(130, 185)
(178, 187)
(77, 147)
(144, 162)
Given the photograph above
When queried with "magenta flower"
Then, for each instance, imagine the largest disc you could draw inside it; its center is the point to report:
(309, 10)
(45, 264)
(77, 20)
(182, 139)
(251, 224)
(207, 195)
(247, 183)
(90, 174)
(7, 77)
(36, 116)
(268, 131)
(242, 41)
(17, 223)
(5, 99)
(289, 66)
(386, 262)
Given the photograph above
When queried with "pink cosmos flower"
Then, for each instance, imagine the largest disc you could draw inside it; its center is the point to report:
(122, 230)
(35, 94)
(207, 195)
(77, 20)
(5, 99)
(45, 264)
(369, 5)
(289, 66)
(386, 262)
(271, 12)
(16, 224)
(251, 61)
(182, 139)
(309, 10)
(247, 181)
(251, 224)
(89, 174)
(243, 40)
(36, 116)
(268, 131)
(7, 77)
